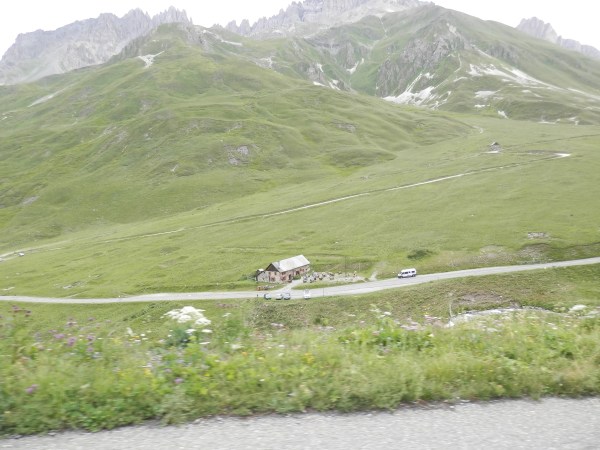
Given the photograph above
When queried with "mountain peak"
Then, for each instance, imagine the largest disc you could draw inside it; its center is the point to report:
(538, 28)
(82, 43)
(302, 15)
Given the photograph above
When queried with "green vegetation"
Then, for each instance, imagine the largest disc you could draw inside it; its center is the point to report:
(175, 177)
(190, 174)
(484, 218)
(101, 366)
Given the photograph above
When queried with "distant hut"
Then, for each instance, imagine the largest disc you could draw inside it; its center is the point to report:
(495, 147)
(285, 270)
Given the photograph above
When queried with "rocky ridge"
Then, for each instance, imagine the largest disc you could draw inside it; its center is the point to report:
(313, 14)
(542, 30)
(83, 43)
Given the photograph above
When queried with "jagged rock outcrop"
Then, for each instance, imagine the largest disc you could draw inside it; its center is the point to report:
(418, 64)
(539, 29)
(299, 16)
(79, 44)
(542, 30)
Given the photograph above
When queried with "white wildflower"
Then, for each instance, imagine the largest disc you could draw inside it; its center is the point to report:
(577, 308)
(183, 318)
(189, 314)
(207, 331)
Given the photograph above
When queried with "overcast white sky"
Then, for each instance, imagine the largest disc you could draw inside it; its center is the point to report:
(574, 19)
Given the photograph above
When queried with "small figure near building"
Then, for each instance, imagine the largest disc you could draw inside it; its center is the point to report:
(284, 271)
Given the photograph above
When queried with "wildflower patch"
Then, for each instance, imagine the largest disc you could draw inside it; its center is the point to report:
(189, 314)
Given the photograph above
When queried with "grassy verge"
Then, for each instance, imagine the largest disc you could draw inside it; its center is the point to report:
(101, 366)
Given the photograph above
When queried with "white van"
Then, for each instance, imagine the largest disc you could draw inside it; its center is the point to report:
(407, 273)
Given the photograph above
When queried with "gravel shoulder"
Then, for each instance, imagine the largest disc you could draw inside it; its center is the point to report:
(551, 423)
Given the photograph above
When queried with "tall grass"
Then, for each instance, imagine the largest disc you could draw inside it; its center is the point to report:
(73, 378)
(101, 366)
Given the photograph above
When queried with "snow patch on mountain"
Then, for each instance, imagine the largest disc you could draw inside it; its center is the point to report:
(353, 69)
(220, 39)
(586, 94)
(412, 98)
(148, 59)
(266, 62)
(484, 94)
(425, 96)
(44, 99)
(508, 75)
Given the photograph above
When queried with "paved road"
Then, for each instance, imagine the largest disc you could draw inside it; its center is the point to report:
(517, 424)
(348, 289)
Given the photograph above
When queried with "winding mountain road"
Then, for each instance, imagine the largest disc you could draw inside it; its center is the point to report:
(333, 291)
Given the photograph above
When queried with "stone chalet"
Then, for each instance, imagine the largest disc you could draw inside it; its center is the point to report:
(284, 271)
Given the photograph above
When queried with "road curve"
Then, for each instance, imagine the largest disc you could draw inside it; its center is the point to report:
(333, 291)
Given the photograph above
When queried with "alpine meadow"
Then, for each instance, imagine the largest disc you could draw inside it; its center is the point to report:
(419, 138)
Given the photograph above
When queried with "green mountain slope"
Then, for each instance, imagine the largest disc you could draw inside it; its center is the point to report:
(443, 59)
(208, 160)
(125, 142)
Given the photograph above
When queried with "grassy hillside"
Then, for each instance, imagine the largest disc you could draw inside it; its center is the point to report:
(484, 217)
(177, 177)
(190, 131)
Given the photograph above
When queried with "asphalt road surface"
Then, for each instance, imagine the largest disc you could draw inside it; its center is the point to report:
(516, 424)
(349, 289)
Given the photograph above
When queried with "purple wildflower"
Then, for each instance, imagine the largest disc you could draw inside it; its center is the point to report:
(59, 336)
(178, 380)
(31, 389)
(71, 341)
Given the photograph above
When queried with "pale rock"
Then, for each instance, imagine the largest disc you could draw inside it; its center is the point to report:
(542, 30)
(80, 44)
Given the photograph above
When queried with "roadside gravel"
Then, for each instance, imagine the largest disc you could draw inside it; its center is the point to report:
(517, 424)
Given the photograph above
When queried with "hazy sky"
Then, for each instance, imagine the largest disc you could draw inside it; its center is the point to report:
(574, 19)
